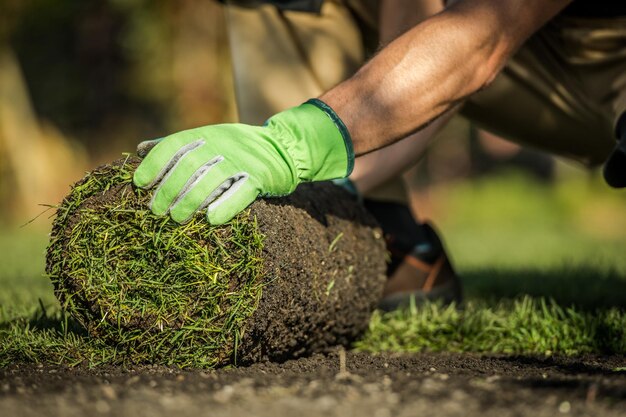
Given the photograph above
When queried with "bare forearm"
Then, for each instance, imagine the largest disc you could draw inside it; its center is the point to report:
(433, 66)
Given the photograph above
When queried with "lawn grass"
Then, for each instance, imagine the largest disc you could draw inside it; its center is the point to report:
(22, 281)
(524, 325)
(543, 268)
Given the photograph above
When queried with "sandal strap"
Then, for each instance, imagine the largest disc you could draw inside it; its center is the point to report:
(432, 270)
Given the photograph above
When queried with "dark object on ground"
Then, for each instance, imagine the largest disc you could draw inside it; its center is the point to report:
(615, 166)
(370, 385)
(419, 269)
(286, 278)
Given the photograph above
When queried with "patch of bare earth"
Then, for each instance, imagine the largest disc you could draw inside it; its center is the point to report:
(329, 385)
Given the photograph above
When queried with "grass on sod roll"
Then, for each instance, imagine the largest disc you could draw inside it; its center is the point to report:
(542, 267)
(157, 291)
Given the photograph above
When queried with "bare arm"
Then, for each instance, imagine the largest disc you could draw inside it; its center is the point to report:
(433, 66)
(374, 169)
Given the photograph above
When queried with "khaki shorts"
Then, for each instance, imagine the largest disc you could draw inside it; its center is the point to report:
(561, 92)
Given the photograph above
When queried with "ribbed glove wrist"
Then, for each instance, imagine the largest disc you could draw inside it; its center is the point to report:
(318, 141)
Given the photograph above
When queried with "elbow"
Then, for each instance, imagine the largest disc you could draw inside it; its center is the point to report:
(487, 77)
(491, 60)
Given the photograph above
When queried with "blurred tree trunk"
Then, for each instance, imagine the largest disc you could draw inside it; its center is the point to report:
(36, 161)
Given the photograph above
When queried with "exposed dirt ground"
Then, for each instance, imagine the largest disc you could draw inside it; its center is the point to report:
(376, 385)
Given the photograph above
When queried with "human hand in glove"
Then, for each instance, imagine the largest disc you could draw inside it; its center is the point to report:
(224, 168)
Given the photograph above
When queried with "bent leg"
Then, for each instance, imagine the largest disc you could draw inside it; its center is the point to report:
(283, 58)
(384, 166)
(559, 92)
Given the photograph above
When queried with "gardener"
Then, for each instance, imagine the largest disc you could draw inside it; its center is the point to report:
(562, 89)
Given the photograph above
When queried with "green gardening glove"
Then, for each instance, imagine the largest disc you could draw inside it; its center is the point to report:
(224, 168)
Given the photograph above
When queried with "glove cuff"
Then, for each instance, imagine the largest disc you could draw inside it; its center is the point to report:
(317, 141)
(343, 130)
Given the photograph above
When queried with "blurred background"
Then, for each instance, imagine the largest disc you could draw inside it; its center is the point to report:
(83, 81)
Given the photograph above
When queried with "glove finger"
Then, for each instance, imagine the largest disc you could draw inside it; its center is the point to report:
(162, 158)
(199, 192)
(238, 195)
(184, 176)
(146, 146)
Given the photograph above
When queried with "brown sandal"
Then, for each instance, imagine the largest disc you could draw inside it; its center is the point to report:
(420, 281)
(424, 274)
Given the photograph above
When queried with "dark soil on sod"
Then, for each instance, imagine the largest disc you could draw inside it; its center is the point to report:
(324, 261)
(360, 385)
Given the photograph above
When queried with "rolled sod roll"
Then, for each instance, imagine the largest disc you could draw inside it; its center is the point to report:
(287, 277)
